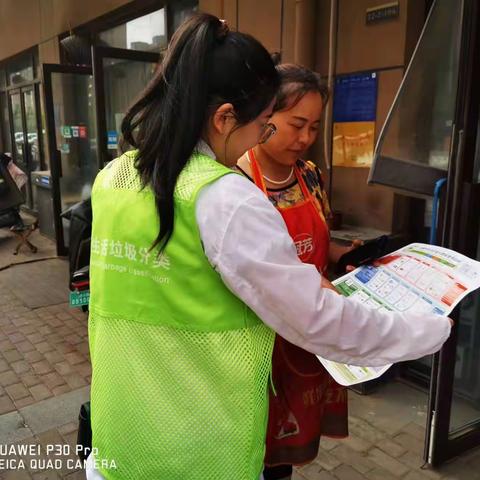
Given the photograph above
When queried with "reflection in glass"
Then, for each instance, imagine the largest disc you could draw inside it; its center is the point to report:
(33, 150)
(124, 80)
(180, 10)
(147, 33)
(419, 127)
(32, 131)
(466, 386)
(20, 70)
(75, 131)
(43, 128)
(3, 79)
(18, 135)
(5, 123)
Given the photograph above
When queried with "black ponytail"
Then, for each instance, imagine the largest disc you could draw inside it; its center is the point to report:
(205, 66)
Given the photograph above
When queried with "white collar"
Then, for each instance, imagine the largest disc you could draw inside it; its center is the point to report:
(204, 148)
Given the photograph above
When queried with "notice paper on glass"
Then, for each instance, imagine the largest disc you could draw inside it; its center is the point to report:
(354, 115)
(417, 279)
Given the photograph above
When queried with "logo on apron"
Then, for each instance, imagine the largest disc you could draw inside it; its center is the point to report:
(305, 246)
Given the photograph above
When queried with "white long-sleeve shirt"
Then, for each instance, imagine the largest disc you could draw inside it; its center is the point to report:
(247, 242)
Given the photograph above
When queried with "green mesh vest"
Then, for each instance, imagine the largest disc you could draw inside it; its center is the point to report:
(180, 365)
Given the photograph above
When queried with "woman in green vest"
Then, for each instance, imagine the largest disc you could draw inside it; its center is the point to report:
(193, 270)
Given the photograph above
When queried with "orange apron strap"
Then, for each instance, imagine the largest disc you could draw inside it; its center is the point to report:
(259, 181)
(256, 172)
(306, 192)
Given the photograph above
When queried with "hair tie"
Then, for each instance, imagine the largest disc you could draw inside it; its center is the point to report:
(223, 30)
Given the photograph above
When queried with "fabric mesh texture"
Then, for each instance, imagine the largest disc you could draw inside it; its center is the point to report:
(198, 170)
(125, 177)
(199, 408)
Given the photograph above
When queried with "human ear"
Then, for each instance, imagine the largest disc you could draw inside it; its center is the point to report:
(223, 119)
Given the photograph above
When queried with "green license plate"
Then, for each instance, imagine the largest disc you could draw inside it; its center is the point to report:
(79, 299)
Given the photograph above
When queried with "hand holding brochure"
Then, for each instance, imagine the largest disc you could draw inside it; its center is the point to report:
(418, 278)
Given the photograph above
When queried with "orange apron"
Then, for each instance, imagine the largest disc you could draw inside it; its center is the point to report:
(308, 402)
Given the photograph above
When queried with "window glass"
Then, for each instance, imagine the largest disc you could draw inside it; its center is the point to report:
(418, 131)
(147, 33)
(20, 70)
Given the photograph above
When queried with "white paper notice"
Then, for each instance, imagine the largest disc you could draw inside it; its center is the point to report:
(418, 278)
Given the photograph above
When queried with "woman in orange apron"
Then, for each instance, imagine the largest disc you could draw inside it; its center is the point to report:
(307, 402)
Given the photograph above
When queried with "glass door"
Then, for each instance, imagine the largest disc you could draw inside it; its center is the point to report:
(431, 138)
(72, 133)
(454, 417)
(5, 122)
(32, 140)
(26, 145)
(120, 75)
(18, 130)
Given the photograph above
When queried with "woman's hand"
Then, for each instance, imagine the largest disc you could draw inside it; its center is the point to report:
(355, 244)
(336, 251)
(328, 284)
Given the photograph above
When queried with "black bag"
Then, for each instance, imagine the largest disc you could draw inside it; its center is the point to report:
(84, 437)
(80, 217)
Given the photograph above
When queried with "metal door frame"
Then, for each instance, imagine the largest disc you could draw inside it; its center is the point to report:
(54, 154)
(98, 55)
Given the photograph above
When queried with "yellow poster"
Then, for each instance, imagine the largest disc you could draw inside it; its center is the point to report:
(353, 144)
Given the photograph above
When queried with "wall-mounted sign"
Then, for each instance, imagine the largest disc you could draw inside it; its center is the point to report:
(354, 115)
(74, 131)
(66, 132)
(112, 140)
(383, 12)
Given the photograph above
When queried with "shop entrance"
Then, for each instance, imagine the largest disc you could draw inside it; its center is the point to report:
(429, 150)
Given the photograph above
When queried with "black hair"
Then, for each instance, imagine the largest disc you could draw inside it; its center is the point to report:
(296, 82)
(205, 66)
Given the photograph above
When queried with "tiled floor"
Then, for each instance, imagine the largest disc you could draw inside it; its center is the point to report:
(387, 431)
(44, 351)
(8, 242)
